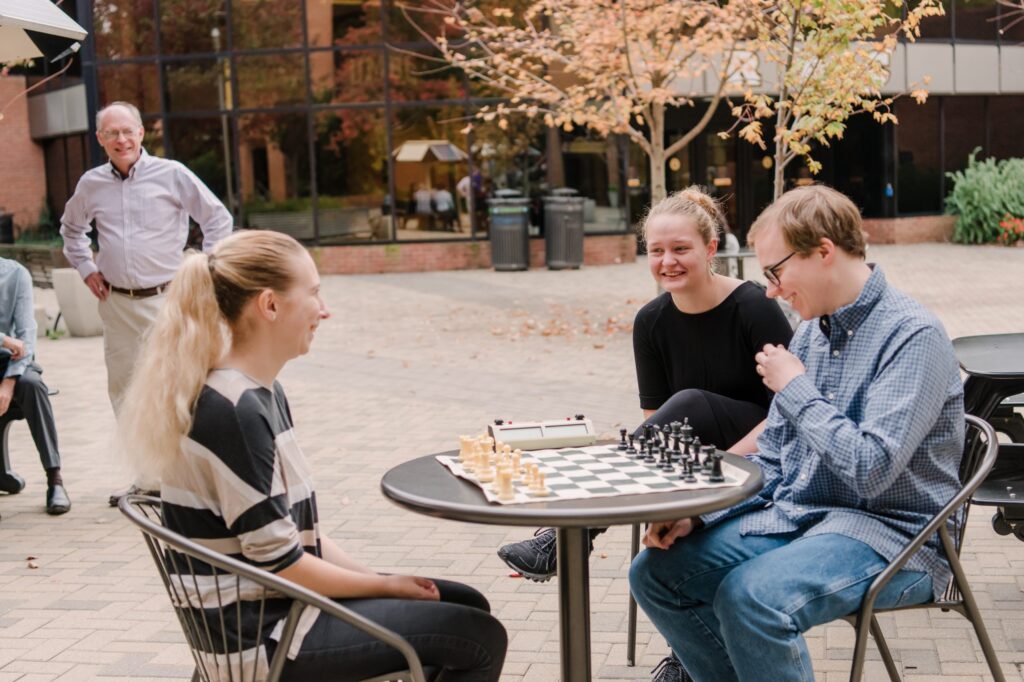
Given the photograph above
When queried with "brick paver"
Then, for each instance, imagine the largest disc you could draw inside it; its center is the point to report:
(406, 364)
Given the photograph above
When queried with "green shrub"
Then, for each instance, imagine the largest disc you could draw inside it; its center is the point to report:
(983, 195)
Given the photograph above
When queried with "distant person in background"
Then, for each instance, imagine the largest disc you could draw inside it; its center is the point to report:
(141, 205)
(22, 391)
(423, 199)
(444, 204)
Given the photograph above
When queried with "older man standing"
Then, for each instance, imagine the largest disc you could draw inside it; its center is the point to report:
(141, 206)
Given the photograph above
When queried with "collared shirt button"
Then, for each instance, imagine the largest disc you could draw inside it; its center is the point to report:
(849, 332)
(831, 395)
(799, 509)
(803, 477)
(835, 353)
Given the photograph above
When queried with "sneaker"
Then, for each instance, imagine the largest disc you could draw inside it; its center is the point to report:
(670, 670)
(536, 558)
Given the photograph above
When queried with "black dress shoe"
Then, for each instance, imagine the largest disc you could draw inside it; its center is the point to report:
(12, 483)
(57, 500)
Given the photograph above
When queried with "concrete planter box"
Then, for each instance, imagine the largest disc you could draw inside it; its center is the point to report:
(79, 308)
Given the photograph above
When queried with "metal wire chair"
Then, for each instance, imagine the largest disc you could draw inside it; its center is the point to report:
(215, 658)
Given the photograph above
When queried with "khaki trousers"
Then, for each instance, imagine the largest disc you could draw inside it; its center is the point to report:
(125, 322)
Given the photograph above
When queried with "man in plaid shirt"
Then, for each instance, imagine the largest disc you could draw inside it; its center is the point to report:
(860, 449)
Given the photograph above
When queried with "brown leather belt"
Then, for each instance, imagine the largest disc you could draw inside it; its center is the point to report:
(141, 293)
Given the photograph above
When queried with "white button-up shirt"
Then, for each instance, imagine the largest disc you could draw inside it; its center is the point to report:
(142, 221)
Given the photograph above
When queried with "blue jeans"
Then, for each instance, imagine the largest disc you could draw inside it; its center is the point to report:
(734, 607)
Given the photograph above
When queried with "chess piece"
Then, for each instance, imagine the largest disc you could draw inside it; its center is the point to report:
(631, 450)
(517, 456)
(505, 491)
(716, 468)
(690, 478)
(538, 488)
(650, 452)
(687, 435)
(677, 436)
(622, 439)
(666, 433)
(643, 444)
(709, 452)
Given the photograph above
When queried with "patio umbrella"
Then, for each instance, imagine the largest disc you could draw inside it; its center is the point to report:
(34, 28)
(428, 150)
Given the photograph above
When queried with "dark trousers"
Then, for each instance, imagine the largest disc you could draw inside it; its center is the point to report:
(31, 402)
(456, 636)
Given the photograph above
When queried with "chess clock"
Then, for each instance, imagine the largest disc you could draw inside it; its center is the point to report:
(557, 433)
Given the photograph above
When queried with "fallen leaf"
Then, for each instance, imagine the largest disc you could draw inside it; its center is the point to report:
(33, 564)
(604, 555)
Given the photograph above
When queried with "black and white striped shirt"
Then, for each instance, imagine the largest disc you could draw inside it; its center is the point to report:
(242, 488)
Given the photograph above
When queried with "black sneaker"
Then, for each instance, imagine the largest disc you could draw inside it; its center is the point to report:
(536, 558)
(670, 670)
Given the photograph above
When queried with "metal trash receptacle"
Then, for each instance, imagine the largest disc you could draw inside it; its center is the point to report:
(510, 236)
(563, 229)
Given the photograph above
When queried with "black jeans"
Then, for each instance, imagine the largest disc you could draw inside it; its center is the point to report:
(456, 636)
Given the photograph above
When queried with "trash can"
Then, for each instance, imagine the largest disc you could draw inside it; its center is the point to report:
(6, 228)
(510, 238)
(563, 229)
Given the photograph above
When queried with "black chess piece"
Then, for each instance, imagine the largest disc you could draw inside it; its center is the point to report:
(677, 436)
(687, 474)
(666, 433)
(666, 464)
(695, 452)
(716, 475)
(684, 459)
(631, 450)
(709, 453)
(686, 430)
(643, 445)
(650, 452)
(622, 436)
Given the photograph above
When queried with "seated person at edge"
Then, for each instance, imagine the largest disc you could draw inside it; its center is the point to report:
(233, 477)
(860, 449)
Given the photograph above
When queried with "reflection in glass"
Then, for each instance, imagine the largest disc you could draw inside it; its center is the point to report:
(721, 173)
(123, 29)
(1004, 115)
(349, 22)
(269, 81)
(430, 153)
(419, 78)
(273, 173)
(135, 83)
(199, 144)
(193, 85)
(351, 175)
(937, 28)
(592, 167)
(976, 19)
(268, 23)
(187, 25)
(919, 172)
(347, 76)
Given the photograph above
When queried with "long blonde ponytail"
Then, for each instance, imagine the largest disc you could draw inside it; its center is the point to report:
(185, 342)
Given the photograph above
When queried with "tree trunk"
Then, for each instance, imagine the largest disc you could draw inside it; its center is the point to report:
(555, 161)
(657, 155)
(780, 168)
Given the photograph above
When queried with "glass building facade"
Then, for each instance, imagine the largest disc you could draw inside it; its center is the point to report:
(330, 120)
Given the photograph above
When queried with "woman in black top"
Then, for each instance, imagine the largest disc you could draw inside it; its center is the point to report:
(209, 420)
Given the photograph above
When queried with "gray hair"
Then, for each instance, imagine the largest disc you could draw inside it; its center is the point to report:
(132, 109)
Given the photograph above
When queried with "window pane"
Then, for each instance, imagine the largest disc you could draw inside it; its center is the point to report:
(187, 25)
(413, 78)
(965, 129)
(593, 167)
(195, 85)
(274, 173)
(1011, 25)
(351, 175)
(1004, 114)
(199, 143)
(123, 29)
(135, 83)
(919, 172)
(268, 23)
(430, 152)
(344, 22)
(349, 76)
(976, 19)
(271, 81)
(404, 30)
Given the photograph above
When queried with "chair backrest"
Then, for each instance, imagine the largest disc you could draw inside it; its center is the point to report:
(215, 597)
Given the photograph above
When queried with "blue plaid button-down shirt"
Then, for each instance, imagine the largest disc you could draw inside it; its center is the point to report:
(868, 442)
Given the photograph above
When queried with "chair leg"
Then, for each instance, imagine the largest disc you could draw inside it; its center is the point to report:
(196, 677)
(860, 648)
(10, 482)
(883, 649)
(634, 549)
(974, 615)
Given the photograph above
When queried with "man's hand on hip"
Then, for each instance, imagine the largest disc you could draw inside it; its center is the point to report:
(6, 393)
(16, 346)
(98, 286)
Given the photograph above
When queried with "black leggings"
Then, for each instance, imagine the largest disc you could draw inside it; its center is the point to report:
(456, 637)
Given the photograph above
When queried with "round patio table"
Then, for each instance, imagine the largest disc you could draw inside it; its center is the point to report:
(425, 486)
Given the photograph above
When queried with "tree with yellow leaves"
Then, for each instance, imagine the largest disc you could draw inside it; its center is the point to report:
(823, 61)
(613, 66)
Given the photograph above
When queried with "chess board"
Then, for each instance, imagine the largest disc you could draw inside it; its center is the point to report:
(595, 471)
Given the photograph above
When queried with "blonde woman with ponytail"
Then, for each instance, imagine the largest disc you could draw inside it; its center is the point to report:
(206, 417)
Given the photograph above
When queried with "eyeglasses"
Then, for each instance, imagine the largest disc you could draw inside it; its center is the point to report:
(770, 273)
(128, 133)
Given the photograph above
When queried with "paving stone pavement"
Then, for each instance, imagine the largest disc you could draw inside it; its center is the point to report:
(407, 363)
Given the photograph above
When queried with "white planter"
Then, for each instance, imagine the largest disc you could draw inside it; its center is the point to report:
(79, 308)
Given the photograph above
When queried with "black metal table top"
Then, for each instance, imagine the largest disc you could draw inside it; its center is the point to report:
(991, 355)
(425, 486)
